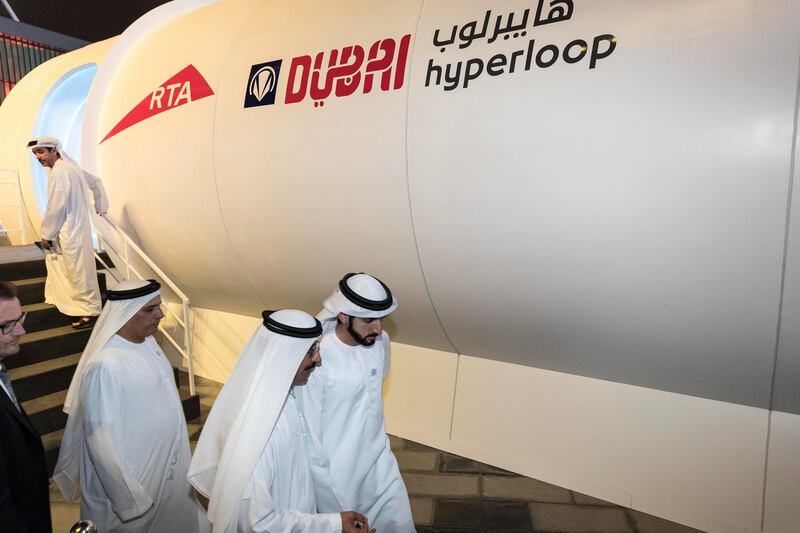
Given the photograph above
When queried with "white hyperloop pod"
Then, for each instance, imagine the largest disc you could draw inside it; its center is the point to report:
(584, 208)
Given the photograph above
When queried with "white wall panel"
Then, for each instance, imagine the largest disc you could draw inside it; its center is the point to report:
(695, 461)
(782, 491)
(218, 339)
(693, 455)
(418, 394)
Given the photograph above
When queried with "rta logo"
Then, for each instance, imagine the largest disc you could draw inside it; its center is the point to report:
(183, 88)
(262, 84)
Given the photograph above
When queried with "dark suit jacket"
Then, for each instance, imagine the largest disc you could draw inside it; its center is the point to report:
(24, 493)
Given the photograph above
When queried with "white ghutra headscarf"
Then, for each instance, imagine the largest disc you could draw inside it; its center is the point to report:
(247, 409)
(359, 295)
(91, 181)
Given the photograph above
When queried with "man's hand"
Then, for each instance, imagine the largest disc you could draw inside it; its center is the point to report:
(353, 522)
(48, 245)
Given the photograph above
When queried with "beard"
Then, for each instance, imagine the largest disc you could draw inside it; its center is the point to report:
(368, 340)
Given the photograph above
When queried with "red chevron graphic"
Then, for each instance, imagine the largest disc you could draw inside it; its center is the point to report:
(184, 87)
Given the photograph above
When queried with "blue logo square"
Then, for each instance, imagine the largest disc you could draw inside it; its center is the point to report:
(262, 84)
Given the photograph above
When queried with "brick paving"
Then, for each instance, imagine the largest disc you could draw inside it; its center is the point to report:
(452, 494)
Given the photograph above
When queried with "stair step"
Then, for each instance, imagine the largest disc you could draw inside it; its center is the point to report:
(52, 440)
(32, 370)
(30, 265)
(52, 443)
(16, 254)
(46, 412)
(191, 405)
(46, 377)
(102, 285)
(23, 269)
(43, 403)
(48, 344)
(194, 430)
(43, 316)
(30, 291)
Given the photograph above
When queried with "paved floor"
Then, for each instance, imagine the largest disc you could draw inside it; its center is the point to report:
(451, 494)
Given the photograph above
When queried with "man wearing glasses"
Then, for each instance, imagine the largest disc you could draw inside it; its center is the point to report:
(24, 494)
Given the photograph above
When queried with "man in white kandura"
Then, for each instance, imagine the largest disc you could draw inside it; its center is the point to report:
(249, 461)
(352, 463)
(126, 444)
(66, 230)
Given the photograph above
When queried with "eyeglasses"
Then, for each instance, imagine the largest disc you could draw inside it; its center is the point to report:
(8, 327)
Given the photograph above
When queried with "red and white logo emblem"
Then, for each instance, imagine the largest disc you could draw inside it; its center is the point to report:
(186, 86)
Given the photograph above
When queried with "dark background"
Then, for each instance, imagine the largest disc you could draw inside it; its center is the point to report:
(90, 20)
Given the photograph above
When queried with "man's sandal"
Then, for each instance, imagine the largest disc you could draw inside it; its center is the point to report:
(84, 322)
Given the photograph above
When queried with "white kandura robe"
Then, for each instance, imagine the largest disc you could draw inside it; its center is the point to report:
(136, 455)
(351, 461)
(71, 275)
(280, 495)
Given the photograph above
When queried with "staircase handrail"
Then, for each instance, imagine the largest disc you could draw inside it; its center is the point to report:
(185, 323)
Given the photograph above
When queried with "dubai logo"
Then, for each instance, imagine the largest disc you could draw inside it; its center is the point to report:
(337, 73)
(184, 87)
(262, 84)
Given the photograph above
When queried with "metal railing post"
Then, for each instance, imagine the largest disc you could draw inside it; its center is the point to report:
(187, 340)
(21, 200)
(127, 260)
